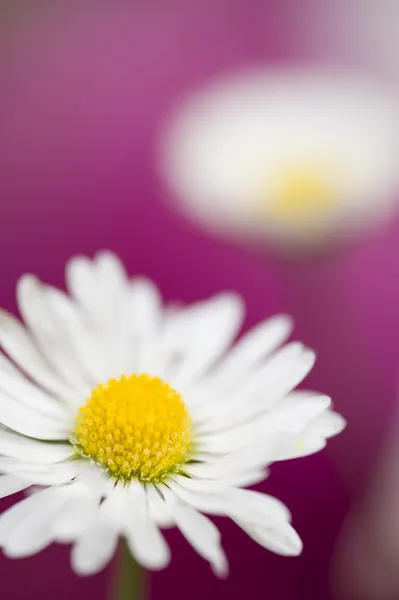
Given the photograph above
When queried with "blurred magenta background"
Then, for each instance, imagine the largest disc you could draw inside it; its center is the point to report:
(84, 91)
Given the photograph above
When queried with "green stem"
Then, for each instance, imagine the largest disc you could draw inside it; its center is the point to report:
(128, 581)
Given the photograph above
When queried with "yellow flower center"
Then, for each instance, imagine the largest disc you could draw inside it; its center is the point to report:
(134, 427)
(302, 193)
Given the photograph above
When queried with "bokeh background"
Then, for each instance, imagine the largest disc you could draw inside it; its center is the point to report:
(85, 88)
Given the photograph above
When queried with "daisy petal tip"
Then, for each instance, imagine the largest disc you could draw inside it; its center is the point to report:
(9, 553)
(340, 423)
(290, 542)
(231, 300)
(85, 564)
(81, 568)
(105, 254)
(285, 322)
(161, 559)
(309, 356)
(325, 400)
(75, 263)
(156, 562)
(221, 568)
(26, 282)
(16, 550)
(107, 257)
(295, 546)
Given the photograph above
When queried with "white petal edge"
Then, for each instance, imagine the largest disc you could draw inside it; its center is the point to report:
(10, 484)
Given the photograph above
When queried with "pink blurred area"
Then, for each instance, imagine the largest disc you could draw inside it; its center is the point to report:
(85, 88)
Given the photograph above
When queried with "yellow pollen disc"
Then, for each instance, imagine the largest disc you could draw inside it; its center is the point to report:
(135, 427)
(302, 193)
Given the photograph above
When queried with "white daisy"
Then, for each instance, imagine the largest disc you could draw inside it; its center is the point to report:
(292, 156)
(134, 417)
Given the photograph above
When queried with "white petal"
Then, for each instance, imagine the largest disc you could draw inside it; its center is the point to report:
(259, 453)
(97, 344)
(292, 414)
(93, 479)
(143, 323)
(25, 528)
(44, 311)
(201, 485)
(96, 284)
(15, 340)
(102, 339)
(75, 518)
(286, 369)
(95, 548)
(33, 532)
(31, 396)
(143, 537)
(122, 316)
(281, 373)
(258, 343)
(328, 424)
(31, 423)
(249, 478)
(6, 366)
(205, 502)
(158, 508)
(116, 504)
(245, 478)
(205, 331)
(111, 275)
(295, 412)
(10, 484)
(302, 444)
(145, 306)
(17, 446)
(278, 536)
(200, 532)
(252, 506)
(11, 517)
(82, 281)
(313, 437)
(42, 474)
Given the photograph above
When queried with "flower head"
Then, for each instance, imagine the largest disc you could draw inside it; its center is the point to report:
(294, 157)
(134, 417)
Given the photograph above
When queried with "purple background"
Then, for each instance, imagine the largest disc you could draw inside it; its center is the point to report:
(84, 93)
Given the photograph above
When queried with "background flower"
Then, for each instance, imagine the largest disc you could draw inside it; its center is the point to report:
(293, 156)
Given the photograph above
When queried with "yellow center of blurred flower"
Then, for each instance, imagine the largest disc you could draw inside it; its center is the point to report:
(302, 193)
(134, 427)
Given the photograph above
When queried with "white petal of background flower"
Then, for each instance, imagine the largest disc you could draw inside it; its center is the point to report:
(240, 399)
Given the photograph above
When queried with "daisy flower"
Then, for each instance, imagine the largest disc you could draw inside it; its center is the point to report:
(127, 417)
(293, 156)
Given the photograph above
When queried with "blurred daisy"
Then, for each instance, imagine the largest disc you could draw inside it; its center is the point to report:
(291, 156)
(134, 417)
